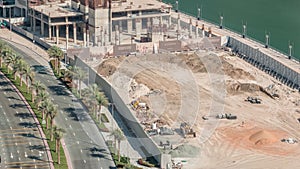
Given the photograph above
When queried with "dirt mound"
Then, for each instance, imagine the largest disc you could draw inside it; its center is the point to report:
(234, 72)
(263, 137)
(237, 87)
(193, 62)
(109, 66)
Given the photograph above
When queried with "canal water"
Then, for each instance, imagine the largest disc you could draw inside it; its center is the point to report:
(278, 18)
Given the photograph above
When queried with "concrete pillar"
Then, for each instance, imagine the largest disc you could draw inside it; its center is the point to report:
(197, 32)
(120, 25)
(190, 28)
(148, 23)
(87, 38)
(57, 34)
(160, 24)
(169, 21)
(74, 33)
(67, 36)
(84, 35)
(138, 28)
(4, 12)
(31, 23)
(50, 33)
(129, 26)
(178, 23)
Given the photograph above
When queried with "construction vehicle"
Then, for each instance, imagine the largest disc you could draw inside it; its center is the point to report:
(253, 100)
(226, 116)
(186, 129)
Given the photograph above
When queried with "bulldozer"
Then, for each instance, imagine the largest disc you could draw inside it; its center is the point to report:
(186, 130)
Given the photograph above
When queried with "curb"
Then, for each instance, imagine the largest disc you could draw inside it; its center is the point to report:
(35, 119)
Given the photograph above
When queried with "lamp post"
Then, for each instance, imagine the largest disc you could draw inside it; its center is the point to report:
(221, 21)
(244, 31)
(290, 50)
(199, 14)
(176, 10)
(267, 41)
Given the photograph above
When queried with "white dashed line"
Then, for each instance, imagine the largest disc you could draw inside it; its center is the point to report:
(81, 150)
(74, 134)
(77, 142)
(84, 161)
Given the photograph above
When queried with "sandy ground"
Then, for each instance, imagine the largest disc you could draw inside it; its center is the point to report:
(180, 88)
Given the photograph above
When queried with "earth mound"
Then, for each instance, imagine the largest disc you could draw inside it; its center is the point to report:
(263, 137)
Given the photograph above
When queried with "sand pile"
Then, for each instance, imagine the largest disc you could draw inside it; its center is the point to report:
(193, 62)
(234, 72)
(263, 137)
(236, 87)
(109, 66)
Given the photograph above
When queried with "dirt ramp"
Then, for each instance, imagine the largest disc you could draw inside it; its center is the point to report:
(263, 137)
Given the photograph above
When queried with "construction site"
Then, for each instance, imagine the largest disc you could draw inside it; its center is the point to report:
(257, 125)
(194, 97)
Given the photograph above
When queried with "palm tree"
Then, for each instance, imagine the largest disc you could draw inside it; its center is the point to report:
(36, 87)
(52, 114)
(80, 75)
(118, 136)
(56, 53)
(44, 107)
(29, 75)
(42, 96)
(10, 58)
(3, 47)
(102, 101)
(19, 67)
(58, 134)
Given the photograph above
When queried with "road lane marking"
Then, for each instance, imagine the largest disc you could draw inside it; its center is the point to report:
(11, 156)
(74, 134)
(84, 161)
(70, 126)
(81, 150)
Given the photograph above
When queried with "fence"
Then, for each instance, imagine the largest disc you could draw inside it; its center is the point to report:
(266, 63)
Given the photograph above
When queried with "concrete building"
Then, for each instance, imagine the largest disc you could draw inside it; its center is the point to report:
(96, 22)
(13, 8)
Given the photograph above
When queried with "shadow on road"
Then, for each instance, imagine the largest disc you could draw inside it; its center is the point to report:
(76, 114)
(12, 97)
(37, 147)
(8, 90)
(17, 105)
(24, 115)
(98, 153)
(59, 90)
(29, 135)
(3, 83)
(28, 125)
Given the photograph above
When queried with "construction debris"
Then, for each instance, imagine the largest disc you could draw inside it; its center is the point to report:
(186, 129)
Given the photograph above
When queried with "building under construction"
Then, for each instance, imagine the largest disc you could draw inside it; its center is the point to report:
(95, 22)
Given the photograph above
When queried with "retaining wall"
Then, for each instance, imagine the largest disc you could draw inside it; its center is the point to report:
(266, 63)
(123, 111)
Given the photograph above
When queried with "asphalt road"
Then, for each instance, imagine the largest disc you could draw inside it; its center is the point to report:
(21, 144)
(83, 140)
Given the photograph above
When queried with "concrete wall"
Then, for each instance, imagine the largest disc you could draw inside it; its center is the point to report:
(30, 36)
(123, 110)
(266, 63)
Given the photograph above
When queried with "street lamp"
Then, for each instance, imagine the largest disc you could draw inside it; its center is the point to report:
(267, 40)
(221, 21)
(244, 31)
(112, 113)
(176, 7)
(290, 50)
(199, 14)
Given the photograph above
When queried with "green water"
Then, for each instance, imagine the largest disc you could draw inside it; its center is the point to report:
(279, 18)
